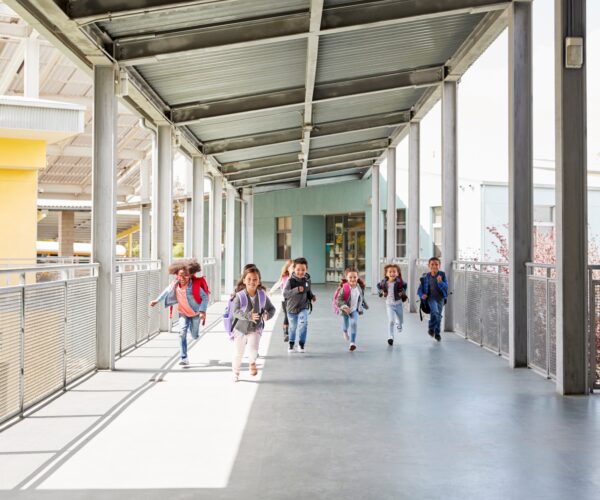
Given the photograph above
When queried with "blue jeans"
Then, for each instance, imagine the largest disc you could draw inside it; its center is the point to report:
(350, 322)
(395, 313)
(187, 324)
(298, 323)
(435, 318)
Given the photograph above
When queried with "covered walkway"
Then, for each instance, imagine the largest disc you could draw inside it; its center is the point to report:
(421, 420)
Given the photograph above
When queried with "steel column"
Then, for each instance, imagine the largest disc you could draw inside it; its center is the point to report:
(145, 208)
(217, 218)
(230, 271)
(571, 202)
(520, 176)
(390, 251)
(375, 221)
(188, 227)
(104, 209)
(449, 190)
(164, 209)
(414, 207)
(154, 221)
(31, 78)
(198, 208)
(250, 228)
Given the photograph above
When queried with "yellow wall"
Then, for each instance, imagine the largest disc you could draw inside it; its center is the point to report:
(22, 153)
(20, 160)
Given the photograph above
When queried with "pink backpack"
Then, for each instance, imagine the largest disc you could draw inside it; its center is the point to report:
(346, 288)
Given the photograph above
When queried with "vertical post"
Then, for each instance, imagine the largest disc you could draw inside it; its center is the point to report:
(198, 208)
(244, 229)
(66, 230)
(520, 176)
(188, 225)
(230, 240)
(155, 190)
(571, 199)
(390, 251)
(145, 169)
(375, 214)
(217, 218)
(164, 210)
(449, 190)
(104, 208)
(414, 208)
(250, 228)
(31, 79)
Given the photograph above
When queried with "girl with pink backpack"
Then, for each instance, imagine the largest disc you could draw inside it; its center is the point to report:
(349, 302)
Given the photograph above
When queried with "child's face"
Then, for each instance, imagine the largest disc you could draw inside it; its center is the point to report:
(251, 281)
(392, 273)
(352, 278)
(434, 266)
(300, 270)
(183, 277)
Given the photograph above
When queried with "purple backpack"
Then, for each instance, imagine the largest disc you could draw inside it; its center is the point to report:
(228, 320)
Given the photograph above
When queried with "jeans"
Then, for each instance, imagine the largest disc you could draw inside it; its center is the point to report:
(298, 323)
(435, 318)
(350, 322)
(187, 324)
(395, 313)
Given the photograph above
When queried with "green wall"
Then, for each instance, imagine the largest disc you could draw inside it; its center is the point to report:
(307, 207)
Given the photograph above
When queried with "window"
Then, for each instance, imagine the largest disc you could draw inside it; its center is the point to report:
(284, 238)
(400, 232)
(436, 230)
(543, 222)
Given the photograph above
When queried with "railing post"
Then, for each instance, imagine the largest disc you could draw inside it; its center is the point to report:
(548, 349)
(498, 331)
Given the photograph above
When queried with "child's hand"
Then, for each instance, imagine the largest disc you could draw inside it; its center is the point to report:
(424, 296)
(153, 303)
(265, 316)
(345, 309)
(314, 298)
(439, 279)
(202, 315)
(301, 289)
(255, 317)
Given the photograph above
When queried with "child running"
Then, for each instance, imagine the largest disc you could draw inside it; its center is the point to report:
(190, 293)
(434, 290)
(298, 294)
(351, 301)
(286, 272)
(393, 288)
(251, 308)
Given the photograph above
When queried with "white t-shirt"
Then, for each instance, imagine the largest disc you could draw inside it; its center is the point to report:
(390, 295)
(354, 298)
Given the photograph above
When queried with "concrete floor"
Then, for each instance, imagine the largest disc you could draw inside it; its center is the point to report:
(420, 420)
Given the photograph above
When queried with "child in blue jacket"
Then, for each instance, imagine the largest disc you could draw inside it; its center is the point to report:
(434, 291)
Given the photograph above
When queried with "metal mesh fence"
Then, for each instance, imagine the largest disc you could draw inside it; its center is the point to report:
(11, 304)
(489, 310)
(503, 312)
(80, 338)
(594, 325)
(538, 318)
(458, 297)
(473, 307)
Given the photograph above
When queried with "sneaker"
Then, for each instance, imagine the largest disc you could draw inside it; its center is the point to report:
(399, 329)
(346, 337)
(253, 369)
(236, 377)
(352, 346)
(390, 341)
(438, 337)
(291, 347)
(430, 332)
(301, 349)
(286, 337)
(184, 362)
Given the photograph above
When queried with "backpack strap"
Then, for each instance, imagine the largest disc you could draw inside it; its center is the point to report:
(262, 299)
(243, 300)
(346, 288)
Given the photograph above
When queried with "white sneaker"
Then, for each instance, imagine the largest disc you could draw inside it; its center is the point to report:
(236, 377)
(301, 349)
(290, 349)
(352, 347)
(346, 336)
(184, 362)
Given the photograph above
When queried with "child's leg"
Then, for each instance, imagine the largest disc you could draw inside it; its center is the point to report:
(239, 343)
(399, 309)
(391, 314)
(303, 326)
(195, 326)
(286, 321)
(184, 325)
(434, 317)
(253, 341)
(345, 325)
(293, 319)
(353, 326)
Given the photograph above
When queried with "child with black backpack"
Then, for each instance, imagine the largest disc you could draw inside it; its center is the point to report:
(393, 288)
(299, 298)
(350, 301)
(251, 308)
(190, 293)
(433, 292)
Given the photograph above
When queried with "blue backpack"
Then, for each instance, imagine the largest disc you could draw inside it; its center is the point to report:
(229, 321)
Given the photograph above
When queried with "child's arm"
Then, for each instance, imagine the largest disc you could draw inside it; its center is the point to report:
(204, 302)
(161, 297)
(288, 291)
(420, 290)
(275, 286)
(269, 310)
(443, 285)
(237, 310)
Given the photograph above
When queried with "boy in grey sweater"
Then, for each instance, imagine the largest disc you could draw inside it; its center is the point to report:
(299, 297)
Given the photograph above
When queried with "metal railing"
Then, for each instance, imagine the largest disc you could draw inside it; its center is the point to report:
(47, 332)
(422, 267)
(480, 301)
(594, 325)
(136, 284)
(210, 270)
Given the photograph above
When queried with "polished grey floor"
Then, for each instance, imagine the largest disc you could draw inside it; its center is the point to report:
(421, 420)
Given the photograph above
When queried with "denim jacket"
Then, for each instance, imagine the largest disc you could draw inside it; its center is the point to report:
(442, 285)
(169, 297)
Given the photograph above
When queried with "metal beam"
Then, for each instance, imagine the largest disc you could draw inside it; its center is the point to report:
(86, 152)
(319, 130)
(143, 49)
(422, 77)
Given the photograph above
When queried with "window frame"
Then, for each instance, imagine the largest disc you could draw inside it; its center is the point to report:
(285, 231)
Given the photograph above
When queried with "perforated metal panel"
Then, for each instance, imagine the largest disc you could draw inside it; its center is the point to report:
(81, 327)
(595, 327)
(117, 317)
(489, 310)
(142, 305)
(458, 298)
(473, 306)
(44, 341)
(10, 352)
(503, 314)
(552, 328)
(129, 310)
(537, 331)
(153, 291)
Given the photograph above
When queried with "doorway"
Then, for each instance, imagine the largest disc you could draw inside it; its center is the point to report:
(345, 245)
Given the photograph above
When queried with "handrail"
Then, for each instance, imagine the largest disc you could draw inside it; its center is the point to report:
(481, 263)
(47, 267)
(541, 265)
